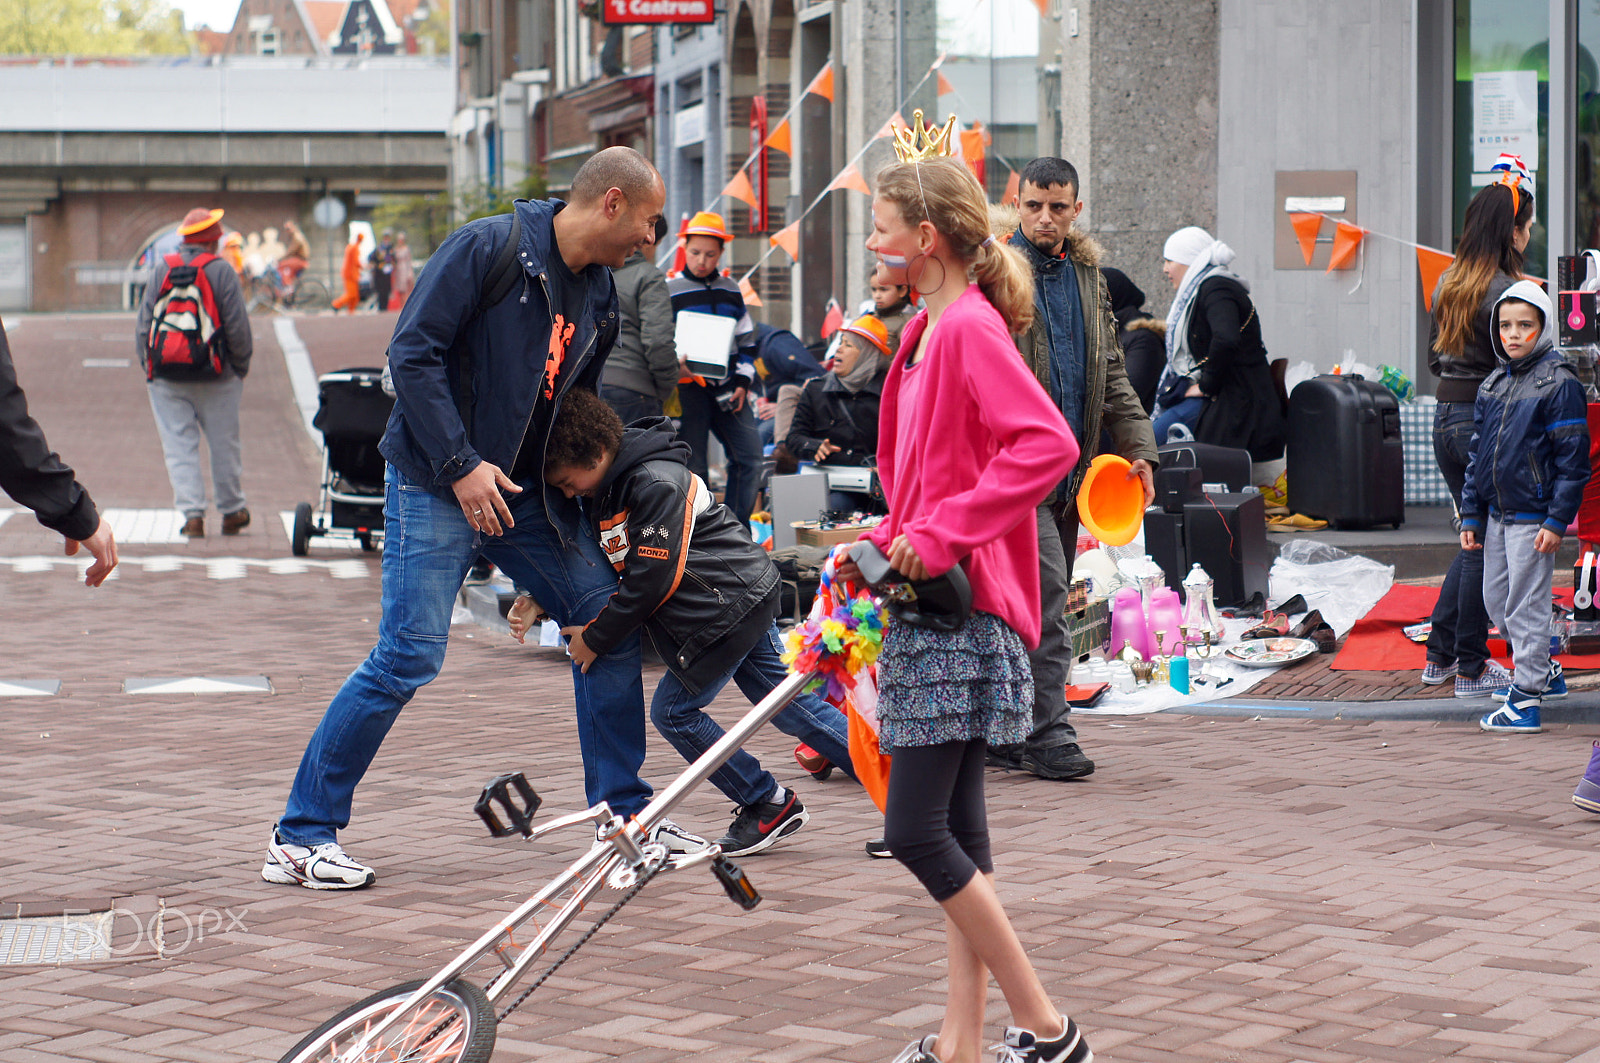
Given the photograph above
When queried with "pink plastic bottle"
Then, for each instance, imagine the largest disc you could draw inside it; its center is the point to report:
(1166, 616)
(1128, 623)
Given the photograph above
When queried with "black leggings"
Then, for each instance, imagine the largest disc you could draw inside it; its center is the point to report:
(935, 822)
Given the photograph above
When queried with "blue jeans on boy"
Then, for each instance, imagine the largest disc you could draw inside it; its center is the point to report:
(677, 715)
(428, 547)
(1186, 413)
(1460, 621)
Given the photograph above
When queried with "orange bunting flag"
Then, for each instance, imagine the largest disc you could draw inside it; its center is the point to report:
(945, 88)
(1431, 265)
(1013, 190)
(741, 189)
(822, 84)
(1346, 239)
(781, 138)
(896, 121)
(748, 290)
(850, 177)
(788, 238)
(1306, 228)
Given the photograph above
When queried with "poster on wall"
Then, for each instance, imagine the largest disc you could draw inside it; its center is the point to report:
(1505, 117)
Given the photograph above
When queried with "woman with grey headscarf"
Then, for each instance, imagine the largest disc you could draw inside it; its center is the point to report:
(836, 420)
(1217, 381)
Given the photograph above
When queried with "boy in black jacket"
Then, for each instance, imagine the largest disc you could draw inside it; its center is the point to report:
(704, 593)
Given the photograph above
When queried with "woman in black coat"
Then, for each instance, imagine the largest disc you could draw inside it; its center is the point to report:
(836, 420)
(1144, 353)
(1217, 379)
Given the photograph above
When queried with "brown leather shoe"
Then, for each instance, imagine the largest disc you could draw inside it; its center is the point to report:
(195, 528)
(234, 523)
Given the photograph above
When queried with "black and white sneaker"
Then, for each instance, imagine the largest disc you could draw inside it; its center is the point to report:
(316, 867)
(758, 827)
(676, 839)
(1021, 1046)
(919, 1051)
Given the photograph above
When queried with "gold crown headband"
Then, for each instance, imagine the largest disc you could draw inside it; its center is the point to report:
(918, 141)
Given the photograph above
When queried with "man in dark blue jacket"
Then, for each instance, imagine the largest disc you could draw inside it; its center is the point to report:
(476, 389)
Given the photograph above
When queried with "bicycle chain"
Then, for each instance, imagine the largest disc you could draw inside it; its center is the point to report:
(633, 891)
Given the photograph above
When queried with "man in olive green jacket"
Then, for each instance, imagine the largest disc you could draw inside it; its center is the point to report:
(1072, 349)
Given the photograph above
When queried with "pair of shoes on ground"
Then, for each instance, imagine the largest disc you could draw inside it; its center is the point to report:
(1057, 763)
(232, 524)
(328, 867)
(1018, 1046)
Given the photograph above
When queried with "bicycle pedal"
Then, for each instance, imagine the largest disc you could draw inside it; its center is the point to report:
(736, 883)
(519, 807)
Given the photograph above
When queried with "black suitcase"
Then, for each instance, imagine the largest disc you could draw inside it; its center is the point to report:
(1346, 463)
(1217, 465)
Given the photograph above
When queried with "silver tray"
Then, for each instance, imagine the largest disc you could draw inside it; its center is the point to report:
(1270, 653)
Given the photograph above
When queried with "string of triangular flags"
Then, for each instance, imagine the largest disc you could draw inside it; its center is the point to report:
(1347, 240)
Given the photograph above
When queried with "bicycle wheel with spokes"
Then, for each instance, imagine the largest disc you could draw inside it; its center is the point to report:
(311, 295)
(454, 1025)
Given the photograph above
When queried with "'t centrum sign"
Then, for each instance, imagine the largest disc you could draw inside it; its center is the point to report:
(633, 12)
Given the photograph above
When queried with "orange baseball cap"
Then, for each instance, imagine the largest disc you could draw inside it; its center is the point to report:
(873, 329)
(708, 223)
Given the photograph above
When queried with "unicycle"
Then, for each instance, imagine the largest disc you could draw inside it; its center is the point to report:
(449, 1018)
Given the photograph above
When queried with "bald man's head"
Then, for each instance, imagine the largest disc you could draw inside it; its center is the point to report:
(621, 168)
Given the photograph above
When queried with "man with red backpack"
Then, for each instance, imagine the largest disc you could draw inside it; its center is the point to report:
(194, 344)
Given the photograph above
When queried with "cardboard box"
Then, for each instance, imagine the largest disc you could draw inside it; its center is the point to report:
(810, 533)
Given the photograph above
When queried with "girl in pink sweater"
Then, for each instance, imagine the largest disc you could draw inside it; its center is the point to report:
(968, 445)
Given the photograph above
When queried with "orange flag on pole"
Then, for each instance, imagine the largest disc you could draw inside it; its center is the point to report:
(741, 189)
(1013, 190)
(1431, 265)
(822, 84)
(850, 177)
(781, 138)
(1306, 228)
(788, 238)
(748, 290)
(1346, 238)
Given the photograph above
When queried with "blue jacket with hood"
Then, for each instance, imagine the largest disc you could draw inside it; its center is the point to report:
(468, 385)
(1530, 442)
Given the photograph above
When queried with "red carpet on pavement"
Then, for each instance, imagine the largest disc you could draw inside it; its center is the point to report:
(1377, 643)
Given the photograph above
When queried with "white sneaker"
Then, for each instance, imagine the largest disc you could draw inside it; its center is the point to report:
(317, 867)
(676, 839)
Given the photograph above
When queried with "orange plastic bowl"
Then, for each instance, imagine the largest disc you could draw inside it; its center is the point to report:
(1110, 504)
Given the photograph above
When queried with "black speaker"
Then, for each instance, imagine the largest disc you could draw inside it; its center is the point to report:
(1176, 486)
(1227, 536)
(1163, 541)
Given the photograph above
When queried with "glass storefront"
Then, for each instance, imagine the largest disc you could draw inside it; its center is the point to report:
(1502, 103)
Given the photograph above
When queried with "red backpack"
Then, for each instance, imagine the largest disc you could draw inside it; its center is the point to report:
(184, 342)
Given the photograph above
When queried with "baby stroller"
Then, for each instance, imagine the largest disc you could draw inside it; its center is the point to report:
(352, 412)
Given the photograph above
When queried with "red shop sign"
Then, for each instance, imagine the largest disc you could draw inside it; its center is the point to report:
(636, 12)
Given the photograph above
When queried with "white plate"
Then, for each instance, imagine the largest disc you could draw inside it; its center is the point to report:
(1269, 653)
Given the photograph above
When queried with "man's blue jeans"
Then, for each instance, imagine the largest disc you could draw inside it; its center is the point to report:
(1460, 620)
(428, 547)
(677, 715)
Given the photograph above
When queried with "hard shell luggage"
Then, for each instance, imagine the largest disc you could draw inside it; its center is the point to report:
(1217, 465)
(1345, 459)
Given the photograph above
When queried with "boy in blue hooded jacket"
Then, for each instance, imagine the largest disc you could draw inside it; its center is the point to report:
(1524, 481)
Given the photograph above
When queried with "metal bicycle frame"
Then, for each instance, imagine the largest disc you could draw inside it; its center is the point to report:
(584, 877)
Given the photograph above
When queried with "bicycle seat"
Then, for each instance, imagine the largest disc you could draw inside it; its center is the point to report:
(942, 603)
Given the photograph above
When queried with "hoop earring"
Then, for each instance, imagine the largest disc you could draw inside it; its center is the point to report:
(916, 282)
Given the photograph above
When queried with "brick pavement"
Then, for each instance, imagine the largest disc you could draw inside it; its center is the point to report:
(1265, 891)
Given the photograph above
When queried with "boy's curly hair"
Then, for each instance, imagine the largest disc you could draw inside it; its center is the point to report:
(585, 430)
